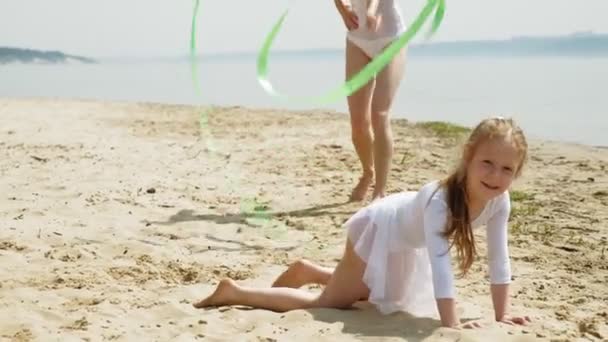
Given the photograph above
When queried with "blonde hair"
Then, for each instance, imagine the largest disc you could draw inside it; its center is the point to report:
(459, 228)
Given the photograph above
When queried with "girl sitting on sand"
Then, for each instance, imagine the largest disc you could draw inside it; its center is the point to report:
(397, 253)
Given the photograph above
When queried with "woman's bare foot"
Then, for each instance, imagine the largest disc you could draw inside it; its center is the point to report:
(378, 195)
(359, 192)
(223, 294)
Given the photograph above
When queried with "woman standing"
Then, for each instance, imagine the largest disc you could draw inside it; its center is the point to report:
(372, 25)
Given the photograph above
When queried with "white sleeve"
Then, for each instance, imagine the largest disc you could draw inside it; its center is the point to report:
(498, 251)
(435, 219)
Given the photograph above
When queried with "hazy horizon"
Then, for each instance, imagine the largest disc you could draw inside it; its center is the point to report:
(548, 96)
(277, 52)
(158, 28)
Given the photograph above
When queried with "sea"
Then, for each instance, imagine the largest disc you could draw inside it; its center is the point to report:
(561, 98)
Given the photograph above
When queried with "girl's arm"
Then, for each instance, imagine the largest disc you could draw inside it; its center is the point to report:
(500, 299)
(435, 219)
(498, 261)
(447, 312)
(498, 255)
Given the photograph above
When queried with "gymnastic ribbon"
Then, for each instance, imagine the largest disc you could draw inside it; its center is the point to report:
(203, 119)
(363, 76)
(249, 207)
(343, 90)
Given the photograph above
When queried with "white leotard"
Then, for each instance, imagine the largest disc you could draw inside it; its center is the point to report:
(495, 215)
(391, 26)
(399, 238)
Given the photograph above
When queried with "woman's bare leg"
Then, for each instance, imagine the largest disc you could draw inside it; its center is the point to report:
(359, 106)
(344, 288)
(303, 272)
(387, 83)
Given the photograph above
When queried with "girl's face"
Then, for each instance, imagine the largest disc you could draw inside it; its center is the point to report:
(492, 169)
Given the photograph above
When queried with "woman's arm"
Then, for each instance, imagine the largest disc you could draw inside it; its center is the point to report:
(373, 19)
(341, 5)
(350, 19)
(372, 7)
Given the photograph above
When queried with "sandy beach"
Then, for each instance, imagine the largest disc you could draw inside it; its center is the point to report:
(115, 217)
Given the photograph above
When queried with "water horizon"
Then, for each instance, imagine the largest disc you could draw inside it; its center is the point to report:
(553, 98)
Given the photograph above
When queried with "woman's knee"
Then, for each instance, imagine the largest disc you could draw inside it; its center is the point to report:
(380, 121)
(360, 126)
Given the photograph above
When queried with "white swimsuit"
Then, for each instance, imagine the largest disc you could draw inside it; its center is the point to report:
(391, 27)
(399, 239)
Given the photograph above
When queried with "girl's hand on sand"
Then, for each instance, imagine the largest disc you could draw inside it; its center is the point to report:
(470, 325)
(515, 320)
(350, 18)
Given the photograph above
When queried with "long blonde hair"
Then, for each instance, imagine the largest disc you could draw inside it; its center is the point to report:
(459, 228)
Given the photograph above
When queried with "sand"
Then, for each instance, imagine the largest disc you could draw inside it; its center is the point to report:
(115, 217)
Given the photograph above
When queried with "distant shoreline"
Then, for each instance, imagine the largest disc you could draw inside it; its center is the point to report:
(575, 45)
(31, 56)
(580, 44)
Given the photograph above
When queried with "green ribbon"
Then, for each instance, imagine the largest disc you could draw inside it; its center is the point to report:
(193, 61)
(344, 90)
(204, 116)
(363, 76)
(350, 86)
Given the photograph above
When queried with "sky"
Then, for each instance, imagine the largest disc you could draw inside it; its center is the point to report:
(115, 28)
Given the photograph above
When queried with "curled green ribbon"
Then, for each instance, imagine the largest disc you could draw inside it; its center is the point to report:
(193, 61)
(344, 90)
(363, 76)
(250, 208)
(350, 86)
(204, 117)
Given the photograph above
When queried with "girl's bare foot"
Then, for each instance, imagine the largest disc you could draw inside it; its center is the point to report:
(223, 294)
(359, 192)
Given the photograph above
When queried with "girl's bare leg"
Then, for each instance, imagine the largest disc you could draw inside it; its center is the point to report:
(303, 272)
(344, 288)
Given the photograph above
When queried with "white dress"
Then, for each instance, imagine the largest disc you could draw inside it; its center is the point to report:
(408, 268)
